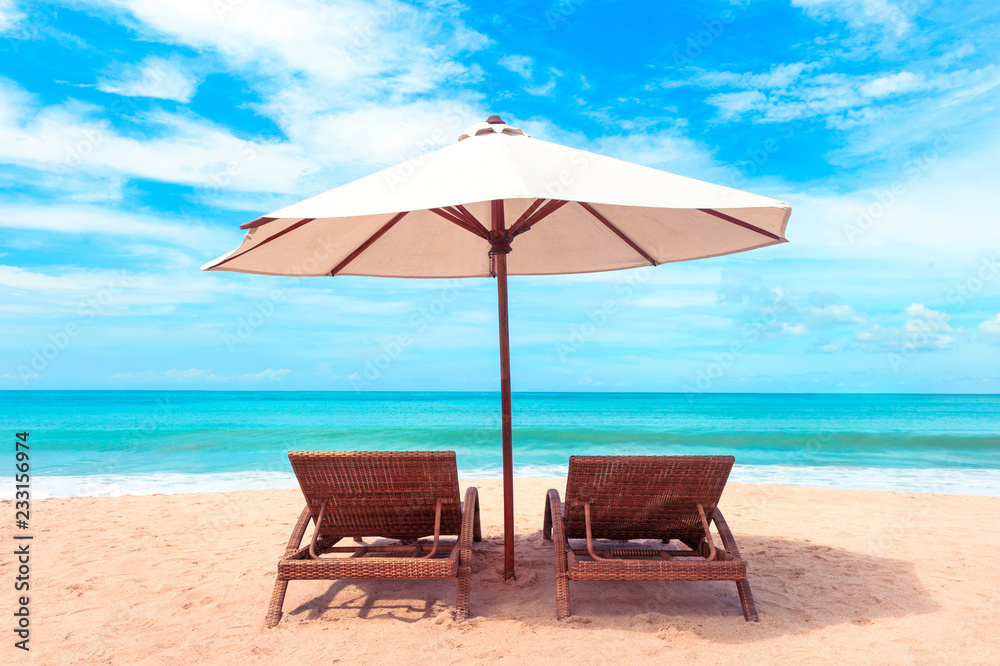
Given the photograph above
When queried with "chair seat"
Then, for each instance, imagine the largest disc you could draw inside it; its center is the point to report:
(384, 568)
(630, 569)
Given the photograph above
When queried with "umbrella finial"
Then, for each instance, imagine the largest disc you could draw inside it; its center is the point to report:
(493, 125)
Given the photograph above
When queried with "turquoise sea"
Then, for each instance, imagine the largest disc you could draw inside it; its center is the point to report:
(111, 442)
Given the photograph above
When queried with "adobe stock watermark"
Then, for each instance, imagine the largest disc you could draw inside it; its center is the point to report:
(27, 27)
(93, 137)
(224, 7)
(391, 350)
(763, 494)
(899, 525)
(455, 120)
(698, 41)
(223, 178)
(101, 483)
(923, 332)
(78, 153)
(364, 35)
(561, 11)
(985, 273)
(45, 354)
(762, 152)
(323, 253)
(263, 309)
(885, 198)
(750, 333)
(580, 334)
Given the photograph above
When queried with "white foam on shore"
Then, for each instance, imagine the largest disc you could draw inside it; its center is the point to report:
(949, 481)
(113, 485)
(938, 480)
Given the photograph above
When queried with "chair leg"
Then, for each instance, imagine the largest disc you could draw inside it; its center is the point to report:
(746, 600)
(562, 596)
(462, 603)
(277, 601)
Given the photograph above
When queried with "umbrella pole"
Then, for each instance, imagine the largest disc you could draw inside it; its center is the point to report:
(508, 456)
(500, 246)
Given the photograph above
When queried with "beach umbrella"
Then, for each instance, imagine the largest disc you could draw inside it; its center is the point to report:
(497, 203)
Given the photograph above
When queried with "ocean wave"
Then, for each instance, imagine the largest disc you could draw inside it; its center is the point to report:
(950, 481)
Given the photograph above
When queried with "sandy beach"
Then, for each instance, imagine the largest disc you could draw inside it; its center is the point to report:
(840, 576)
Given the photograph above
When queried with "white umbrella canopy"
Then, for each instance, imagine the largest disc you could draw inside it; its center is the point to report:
(599, 214)
(464, 210)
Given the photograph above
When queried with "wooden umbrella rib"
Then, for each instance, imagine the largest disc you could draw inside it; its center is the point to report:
(368, 243)
(526, 215)
(455, 218)
(740, 223)
(645, 255)
(550, 207)
(480, 229)
(267, 240)
(259, 222)
(546, 210)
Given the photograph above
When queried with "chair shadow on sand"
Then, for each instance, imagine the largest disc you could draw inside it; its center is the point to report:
(799, 586)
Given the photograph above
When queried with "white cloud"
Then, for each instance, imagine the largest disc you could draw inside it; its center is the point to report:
(14, 277)
(315, 64)
(676, 298)
(893, 16)
(893, 84)
(72, 137)
(153, 77)
(266, 375)
(199, 376)
(784, 95)
(990, 328)
(351, 85)
(82, 219)
(796, 329)
(924, 329)
(880, 114)
(735, 104)
(942, 205)
(668, 148)
(191, 373)
(384, 42)
(10, 15)
(519, 64)
(835, 313)
(542, 90)
(779, 76)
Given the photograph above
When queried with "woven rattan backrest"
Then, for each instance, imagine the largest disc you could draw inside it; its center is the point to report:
(388, 494)
(643, 497)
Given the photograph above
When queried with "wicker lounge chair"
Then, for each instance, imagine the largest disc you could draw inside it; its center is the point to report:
(395, 495)
(664, 498)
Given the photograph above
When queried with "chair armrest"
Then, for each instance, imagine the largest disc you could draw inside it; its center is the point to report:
(298, 531)
(552, 513)
(471, 529)
(728, 542)
(554, 528)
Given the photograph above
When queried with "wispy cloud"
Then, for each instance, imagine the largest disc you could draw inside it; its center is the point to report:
(519, 64)
(88, 219)
(895, 17)
(153, 77)
(10, 15)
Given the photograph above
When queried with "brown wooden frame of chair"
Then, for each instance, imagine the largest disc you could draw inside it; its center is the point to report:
(625, 498)
(400, 495)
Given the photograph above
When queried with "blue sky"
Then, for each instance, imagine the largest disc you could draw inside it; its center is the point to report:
(135, 136)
